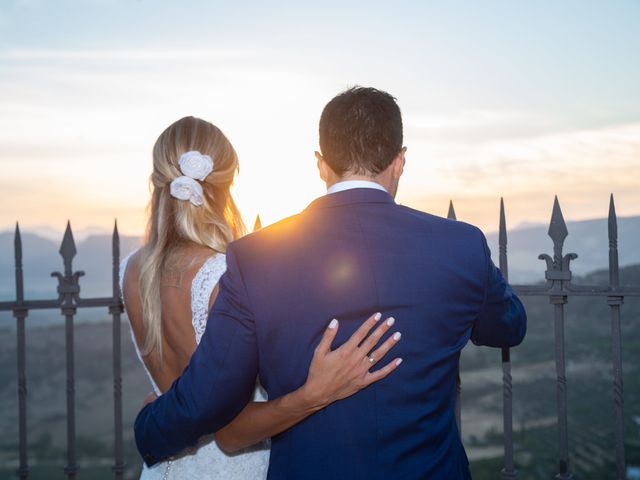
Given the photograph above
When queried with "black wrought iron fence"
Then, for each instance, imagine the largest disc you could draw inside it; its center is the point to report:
(558, 289)
(68, 302)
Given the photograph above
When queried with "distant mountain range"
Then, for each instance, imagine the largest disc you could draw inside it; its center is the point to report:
(55, 235)
(587, 238)
(40, 255)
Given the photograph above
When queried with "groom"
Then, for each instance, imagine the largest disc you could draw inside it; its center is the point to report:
(351, 252)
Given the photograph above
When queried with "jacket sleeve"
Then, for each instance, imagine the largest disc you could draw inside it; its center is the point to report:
(502, 320)
(216, 385)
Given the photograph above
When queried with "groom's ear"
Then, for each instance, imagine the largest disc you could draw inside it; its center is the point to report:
(398, 163)
(322, 166)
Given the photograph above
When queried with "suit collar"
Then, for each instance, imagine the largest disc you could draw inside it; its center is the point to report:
(351, 196)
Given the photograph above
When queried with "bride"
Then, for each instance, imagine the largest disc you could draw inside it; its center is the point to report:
(170, 284)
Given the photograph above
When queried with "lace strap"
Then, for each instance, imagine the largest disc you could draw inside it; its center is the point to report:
(201, 289)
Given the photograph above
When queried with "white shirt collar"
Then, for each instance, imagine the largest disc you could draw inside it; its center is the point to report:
(349, 184)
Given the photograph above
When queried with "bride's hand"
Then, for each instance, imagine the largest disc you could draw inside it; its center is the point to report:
(337, 374)
(332, 375)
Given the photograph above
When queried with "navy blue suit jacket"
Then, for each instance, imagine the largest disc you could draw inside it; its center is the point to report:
(349, 254)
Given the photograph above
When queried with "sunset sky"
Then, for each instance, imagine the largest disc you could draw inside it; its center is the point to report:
(514, 99)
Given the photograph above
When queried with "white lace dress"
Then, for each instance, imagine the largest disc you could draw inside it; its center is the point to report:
(206, 460)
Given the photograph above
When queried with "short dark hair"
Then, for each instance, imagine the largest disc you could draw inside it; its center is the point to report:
(361, 131)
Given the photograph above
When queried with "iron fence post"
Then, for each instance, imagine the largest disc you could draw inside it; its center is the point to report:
(20, 314)
(69, 292)
(561, 390)
(557, 274)
(614, 302)
(116, 310)
(508, 472)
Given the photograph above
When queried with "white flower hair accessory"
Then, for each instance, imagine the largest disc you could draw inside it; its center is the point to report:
(186, 188)
(195, 166)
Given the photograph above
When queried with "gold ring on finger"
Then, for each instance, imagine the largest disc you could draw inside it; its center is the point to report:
(371, 359)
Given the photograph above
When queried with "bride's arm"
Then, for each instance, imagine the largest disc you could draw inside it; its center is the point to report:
(333, 375)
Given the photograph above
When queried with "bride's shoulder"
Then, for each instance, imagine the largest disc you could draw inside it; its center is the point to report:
(129, 262)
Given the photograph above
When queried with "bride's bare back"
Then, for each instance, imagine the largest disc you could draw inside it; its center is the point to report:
(178, 337)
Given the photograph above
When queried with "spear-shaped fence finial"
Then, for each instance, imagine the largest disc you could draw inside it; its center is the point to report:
(502, 241)
(68, 249)
(451, 215)
(17, 240)
(68, 286)
(116, 237)
(115, 252)
(614, 271)
(558, 266)
(17, 244)
(557, 230)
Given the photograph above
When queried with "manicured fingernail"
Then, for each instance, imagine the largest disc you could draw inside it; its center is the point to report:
(398, 362)
(377, 316)
(333, 324)
(396, 336)
(391, 321)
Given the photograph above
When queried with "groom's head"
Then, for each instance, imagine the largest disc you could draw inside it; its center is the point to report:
(361, 137)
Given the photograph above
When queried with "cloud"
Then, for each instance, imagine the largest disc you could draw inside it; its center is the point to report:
(473, 126)
(581, 166)
(464, 119)
(610, 149)
(78, 101)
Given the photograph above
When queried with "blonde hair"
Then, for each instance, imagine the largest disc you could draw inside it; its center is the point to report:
(174, 222)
